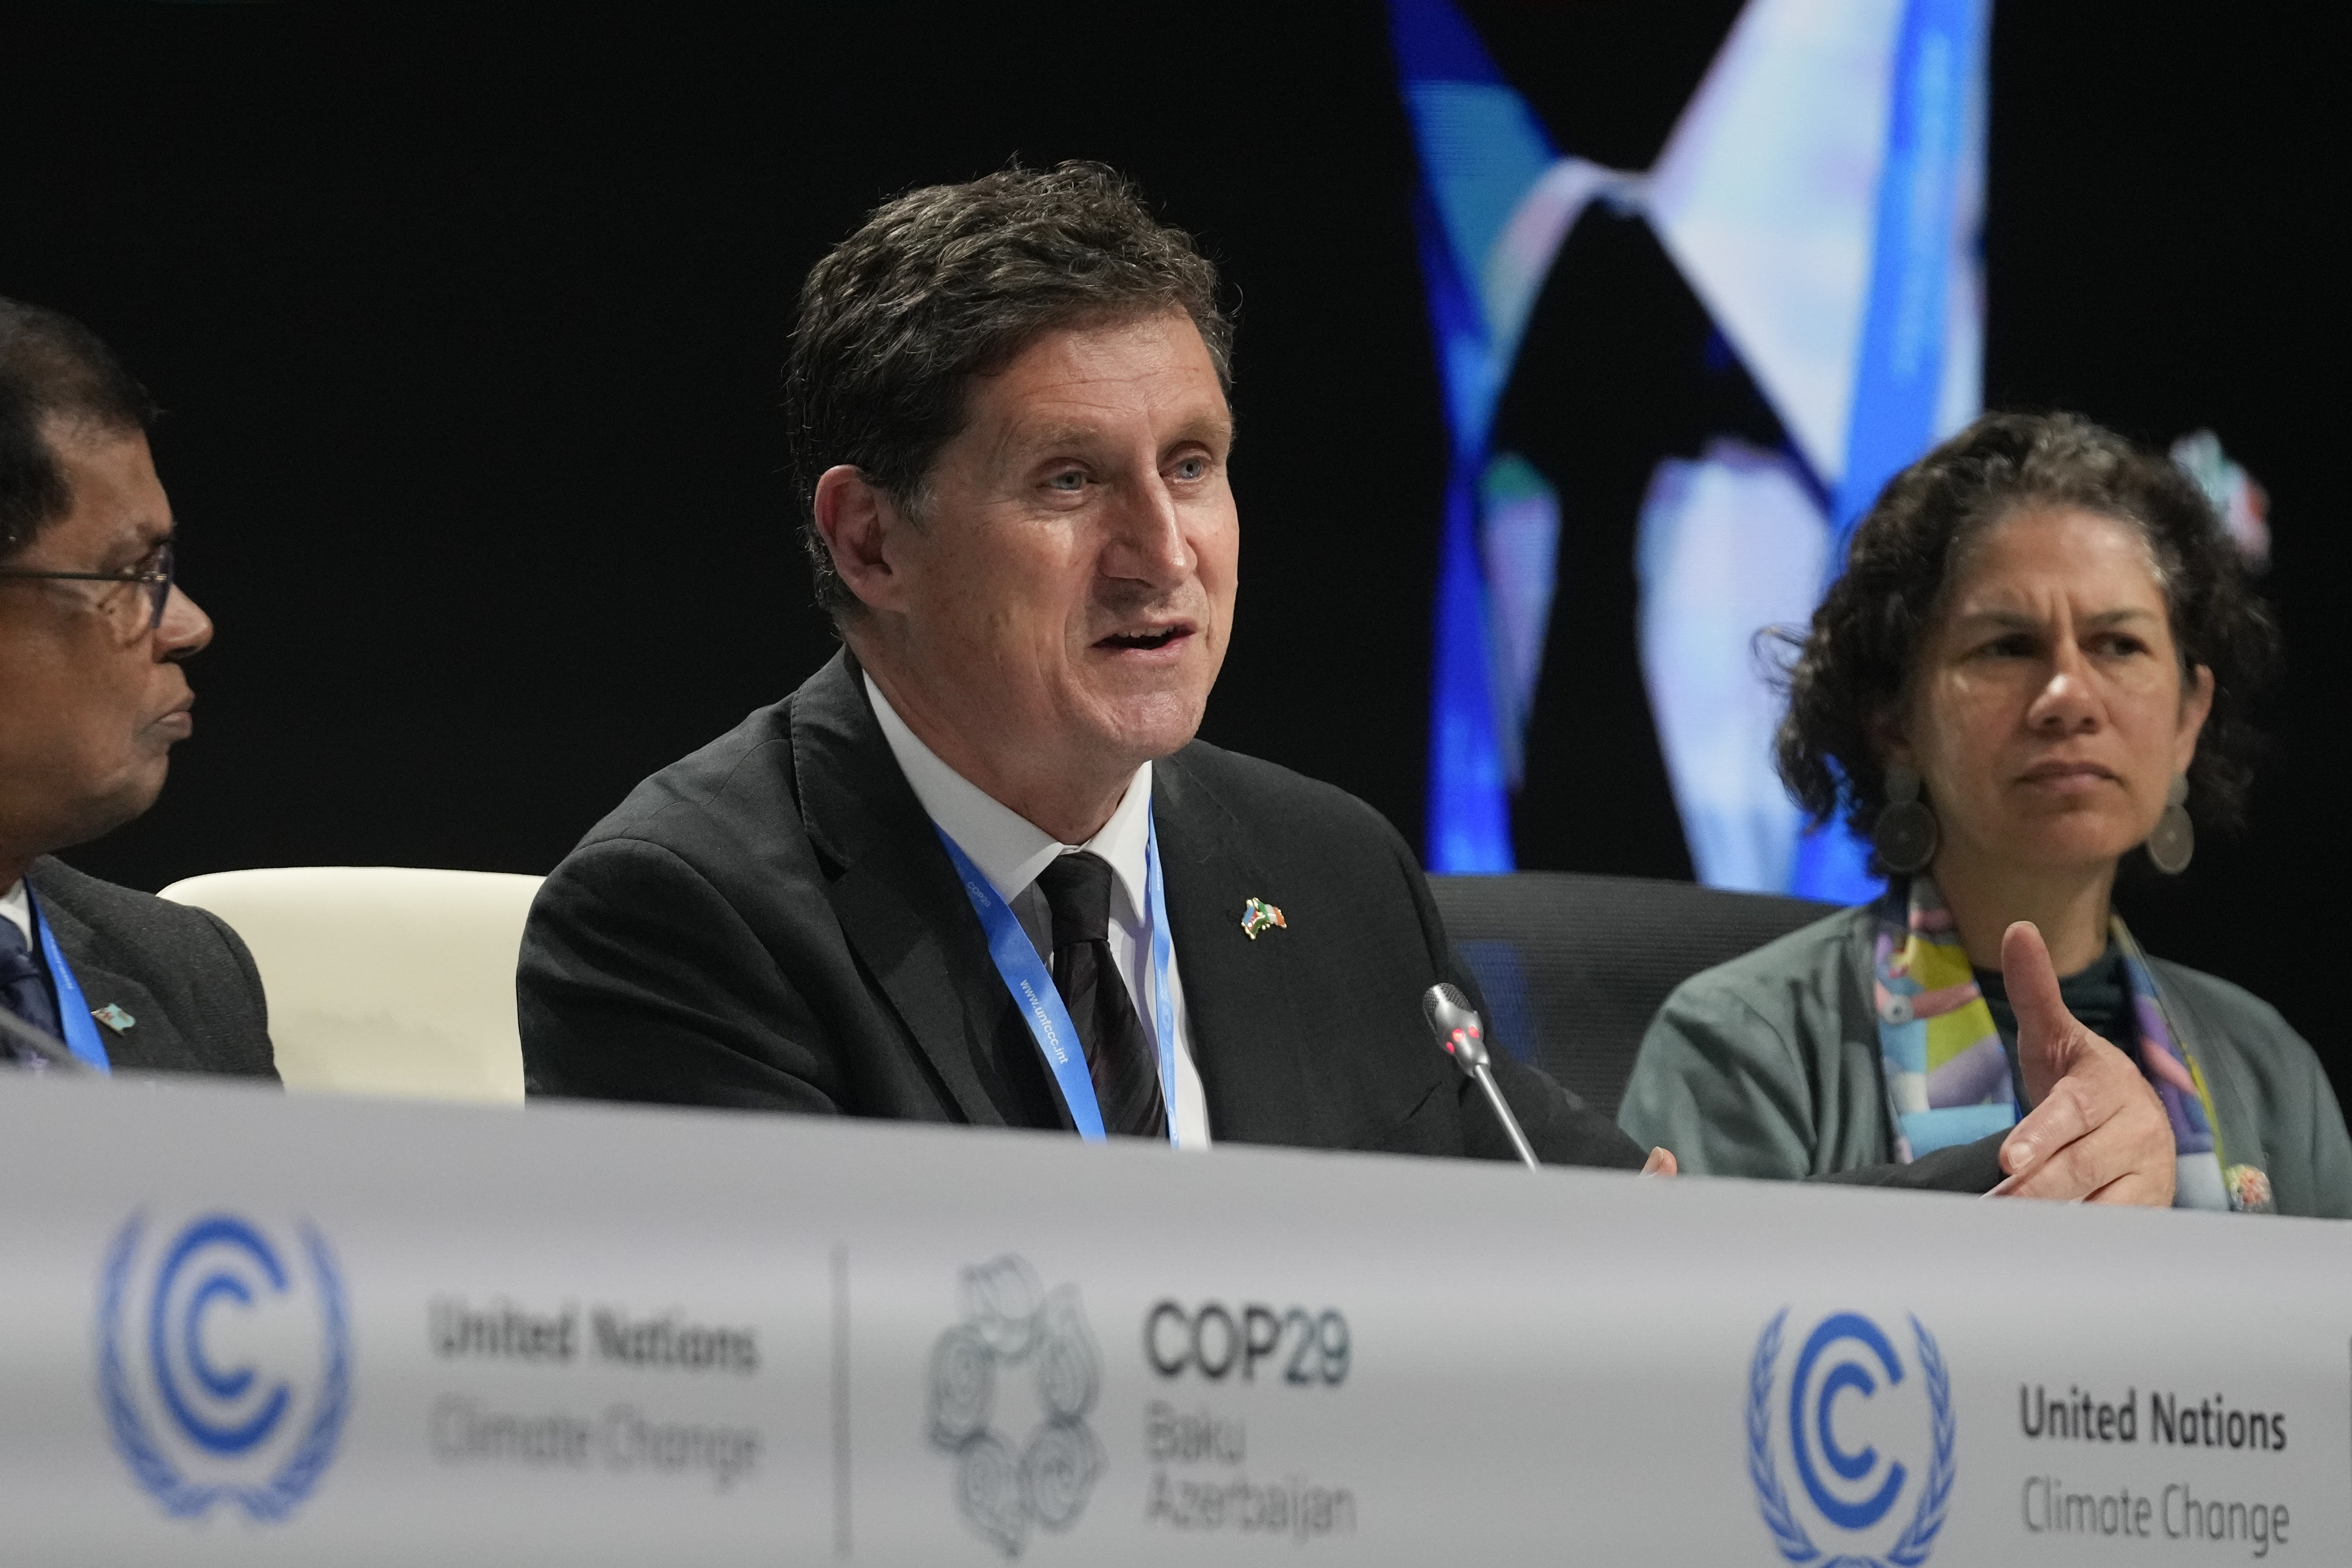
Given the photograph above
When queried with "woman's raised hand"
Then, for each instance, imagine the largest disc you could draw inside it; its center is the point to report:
(2096, 1132)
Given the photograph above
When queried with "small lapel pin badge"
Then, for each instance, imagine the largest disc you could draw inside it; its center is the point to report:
(1258, 917)
(113, 1018)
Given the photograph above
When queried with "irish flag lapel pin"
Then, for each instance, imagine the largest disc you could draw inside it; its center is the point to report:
(1258, 917)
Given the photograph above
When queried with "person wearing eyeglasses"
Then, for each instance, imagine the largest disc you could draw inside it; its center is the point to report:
(93, 633)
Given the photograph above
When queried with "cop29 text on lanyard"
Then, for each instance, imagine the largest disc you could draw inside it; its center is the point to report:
(73, 1011)
(1042, 1007)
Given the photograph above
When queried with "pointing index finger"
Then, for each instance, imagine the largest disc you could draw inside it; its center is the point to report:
(2045, 1028)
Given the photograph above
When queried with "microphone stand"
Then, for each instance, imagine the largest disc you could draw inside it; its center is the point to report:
(1463, 1037)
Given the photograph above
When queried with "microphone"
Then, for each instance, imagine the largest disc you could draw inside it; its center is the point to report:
(1455, 1023)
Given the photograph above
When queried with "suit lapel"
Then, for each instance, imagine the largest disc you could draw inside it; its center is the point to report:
(896, 898)
(150, 1041)
(1245, 1031)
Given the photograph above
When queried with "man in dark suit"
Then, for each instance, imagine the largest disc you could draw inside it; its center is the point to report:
(1008, 402)
(93, 630)
(1009, 408)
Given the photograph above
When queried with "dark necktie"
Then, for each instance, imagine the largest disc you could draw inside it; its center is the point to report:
(1120, 1061)
(24, 991)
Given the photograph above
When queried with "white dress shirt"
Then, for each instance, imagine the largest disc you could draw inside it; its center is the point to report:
(1011, 850)
(19, 909)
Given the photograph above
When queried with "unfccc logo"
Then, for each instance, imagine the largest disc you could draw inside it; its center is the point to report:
(224, 1364)
(1848, 1393)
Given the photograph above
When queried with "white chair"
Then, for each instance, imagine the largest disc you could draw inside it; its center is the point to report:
(383, 979)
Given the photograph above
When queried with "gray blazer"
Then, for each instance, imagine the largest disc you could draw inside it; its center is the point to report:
(1769, 1066)
(180, 974)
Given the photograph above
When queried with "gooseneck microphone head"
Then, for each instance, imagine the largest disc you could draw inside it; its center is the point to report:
(1463, 1037)
(1455, 1023)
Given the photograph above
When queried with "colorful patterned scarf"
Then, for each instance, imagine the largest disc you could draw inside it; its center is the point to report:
(1947, 1077)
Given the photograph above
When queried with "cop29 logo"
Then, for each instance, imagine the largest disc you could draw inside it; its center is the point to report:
(1010, 1327)
(224, 1363)
(1848, 1393)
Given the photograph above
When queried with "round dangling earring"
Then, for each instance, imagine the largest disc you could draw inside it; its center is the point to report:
(1905, 836)
(2174, 842)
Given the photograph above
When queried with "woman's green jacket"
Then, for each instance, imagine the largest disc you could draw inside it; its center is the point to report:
(1768, 1067)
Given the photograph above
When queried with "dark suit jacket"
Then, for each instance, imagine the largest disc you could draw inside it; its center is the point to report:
(181, 974)
(771, 922)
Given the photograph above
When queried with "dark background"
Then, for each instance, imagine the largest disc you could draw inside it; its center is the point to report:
(469, 322)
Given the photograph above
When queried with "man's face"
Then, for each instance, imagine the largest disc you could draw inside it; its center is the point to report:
(91, 697)
(1065, 598)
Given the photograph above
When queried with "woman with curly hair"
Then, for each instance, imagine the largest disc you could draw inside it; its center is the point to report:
(2036, 664)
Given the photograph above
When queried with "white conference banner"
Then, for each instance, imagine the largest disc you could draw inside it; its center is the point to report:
(245, 1329)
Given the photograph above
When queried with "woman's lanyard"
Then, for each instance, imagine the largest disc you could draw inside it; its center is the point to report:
(1042, 1007)
(73, 1011)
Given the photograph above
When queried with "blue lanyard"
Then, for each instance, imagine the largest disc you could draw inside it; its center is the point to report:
(73, 1011)
(1042, 1008)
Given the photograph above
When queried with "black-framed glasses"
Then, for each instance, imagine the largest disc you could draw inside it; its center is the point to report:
(157, 578)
